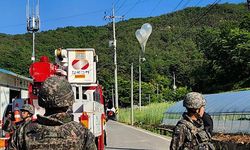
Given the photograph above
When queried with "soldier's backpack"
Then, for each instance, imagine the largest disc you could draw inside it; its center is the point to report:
(64, 137)
(200, 140)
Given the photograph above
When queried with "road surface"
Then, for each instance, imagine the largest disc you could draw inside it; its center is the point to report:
(124, 137)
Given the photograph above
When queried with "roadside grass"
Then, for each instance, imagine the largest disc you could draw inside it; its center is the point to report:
(151, 115)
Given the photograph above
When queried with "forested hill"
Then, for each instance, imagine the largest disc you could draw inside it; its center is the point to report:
(208, 49)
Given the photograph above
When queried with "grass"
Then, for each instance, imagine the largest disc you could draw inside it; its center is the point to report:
(149, 115)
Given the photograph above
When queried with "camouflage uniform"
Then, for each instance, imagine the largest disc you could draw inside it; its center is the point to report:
(13, 143)
(57, 130)
(18, 127)
(190, 134)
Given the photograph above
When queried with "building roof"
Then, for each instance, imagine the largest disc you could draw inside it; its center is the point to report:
(229, 102)
(14, 74)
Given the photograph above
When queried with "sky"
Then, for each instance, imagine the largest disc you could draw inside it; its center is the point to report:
(61, 13)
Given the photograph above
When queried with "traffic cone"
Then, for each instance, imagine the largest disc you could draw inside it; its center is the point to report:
(17, 115)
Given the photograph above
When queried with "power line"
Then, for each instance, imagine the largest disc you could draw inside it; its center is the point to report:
(178, 5)
(55, 19)
(76, 15)
(198, 3)
(155, 7)
(10, 26)
(131, 8)
(121, 6)
(187, 2)
(197, 20)
(116, 3)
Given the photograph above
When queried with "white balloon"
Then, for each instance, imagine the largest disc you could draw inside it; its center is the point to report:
(148, 28)
(143, 34)
(139, 36)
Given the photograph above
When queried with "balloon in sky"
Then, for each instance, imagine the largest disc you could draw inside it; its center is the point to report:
(139, 36)
(143, 34)
(148, 28)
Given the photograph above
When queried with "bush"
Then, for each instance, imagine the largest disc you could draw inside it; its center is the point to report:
(149, 115)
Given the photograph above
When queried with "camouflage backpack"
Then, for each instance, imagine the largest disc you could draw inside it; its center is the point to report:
(200, 140)
(64, 137)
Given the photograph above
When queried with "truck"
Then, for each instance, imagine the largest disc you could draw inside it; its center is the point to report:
(78, 65)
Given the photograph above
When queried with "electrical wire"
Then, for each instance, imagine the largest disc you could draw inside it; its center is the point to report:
(76, 15)
(198, 3)
(117, 10)
(197, 20)
(185, 5)
(178, 5)
(155, 7)
(116, 3)
(131, 8)
(56, 19)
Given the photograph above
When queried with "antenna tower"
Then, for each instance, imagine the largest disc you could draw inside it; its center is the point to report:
(33, 21)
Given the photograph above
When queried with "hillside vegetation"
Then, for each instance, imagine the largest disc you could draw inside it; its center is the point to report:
(208, 51)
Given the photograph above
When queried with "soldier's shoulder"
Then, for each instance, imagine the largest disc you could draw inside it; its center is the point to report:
(182, 123)
(76, 126)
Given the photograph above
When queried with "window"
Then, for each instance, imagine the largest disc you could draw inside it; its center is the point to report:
(97, 96)
(77, 92)
(84, 95)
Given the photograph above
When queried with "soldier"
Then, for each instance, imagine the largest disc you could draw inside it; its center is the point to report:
(27, 111)
(55, 130)
(189, 133)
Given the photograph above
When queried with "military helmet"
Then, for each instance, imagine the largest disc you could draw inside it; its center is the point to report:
(194, 100)
(55, 92)
(29, 108)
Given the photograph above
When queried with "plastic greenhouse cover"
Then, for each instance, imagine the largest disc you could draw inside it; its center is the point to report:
(229, 102)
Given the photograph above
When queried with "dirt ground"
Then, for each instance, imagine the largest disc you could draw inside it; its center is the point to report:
(243, 139)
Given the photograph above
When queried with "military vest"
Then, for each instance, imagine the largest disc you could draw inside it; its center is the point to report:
(63, 137)
(199, 139)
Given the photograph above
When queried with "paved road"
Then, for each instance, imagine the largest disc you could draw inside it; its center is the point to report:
(124, 137)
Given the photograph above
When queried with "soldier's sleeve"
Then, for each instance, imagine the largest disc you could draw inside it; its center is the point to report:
(178, 137)
(89, 140)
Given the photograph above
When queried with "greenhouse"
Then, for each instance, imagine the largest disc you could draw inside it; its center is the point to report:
(230, 112)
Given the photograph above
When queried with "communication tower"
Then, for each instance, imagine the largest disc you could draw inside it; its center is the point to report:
(33, 21)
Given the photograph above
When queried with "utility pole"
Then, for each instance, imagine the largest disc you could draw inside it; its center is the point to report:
(132, 95)
(174, 86)
(33, 21)
(113, 103)
(140, 80)
(114, 46)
